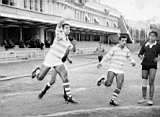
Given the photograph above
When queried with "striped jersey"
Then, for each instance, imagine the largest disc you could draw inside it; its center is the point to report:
(117, 57)
(61, 43)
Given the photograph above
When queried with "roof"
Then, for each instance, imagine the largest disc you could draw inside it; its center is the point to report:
(101, 7)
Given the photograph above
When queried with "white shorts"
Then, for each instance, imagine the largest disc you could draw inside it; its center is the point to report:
(51, 60)
(117, 71)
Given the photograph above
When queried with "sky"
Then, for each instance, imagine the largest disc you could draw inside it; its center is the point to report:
(136, 9)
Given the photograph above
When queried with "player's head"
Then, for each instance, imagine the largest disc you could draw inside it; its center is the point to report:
(66, 28)
(153, 36)
(122, 40)
(100, 44)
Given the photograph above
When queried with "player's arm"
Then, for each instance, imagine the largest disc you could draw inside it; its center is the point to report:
(141, 52)
(106, 57)
(74, 43)
(130, 58)
(64, 58)
(69, 60)
(157, 59)
(72, 46)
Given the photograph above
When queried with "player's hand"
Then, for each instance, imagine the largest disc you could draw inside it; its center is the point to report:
(156, 59)
(64, 59)
(70, 61)
(140, 56)
(99, 65)
(133, 64)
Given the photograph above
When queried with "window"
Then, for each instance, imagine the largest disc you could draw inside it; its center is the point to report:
(96, 20)
(115, 24)
(81, 1)
(86, 19)
(76, 14)
(12, 2)
(8, 2)
(25, 3)
(36, 5)
(82, 16)
(106, 11)
(31, 4)
(41, 6)
(107, 23)
(5, 1)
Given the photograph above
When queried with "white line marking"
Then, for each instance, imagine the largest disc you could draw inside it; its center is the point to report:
(74, 90)
(102, 109)
(80, 89)
(70, 69)
(20, 93)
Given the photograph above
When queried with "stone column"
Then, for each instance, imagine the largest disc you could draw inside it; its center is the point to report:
(21, 35)
(42, 34)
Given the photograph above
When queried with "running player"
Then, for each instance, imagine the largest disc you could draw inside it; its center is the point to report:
(149, 56)
(116, 57)
(53, 59)
(100, 51)
(54, 73)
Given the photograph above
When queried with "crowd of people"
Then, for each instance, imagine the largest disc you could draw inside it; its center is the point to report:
(32, 43)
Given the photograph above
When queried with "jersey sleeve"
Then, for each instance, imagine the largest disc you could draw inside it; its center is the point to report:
(70, 46)
(130, 57)
(158, 49)
(109, 55)
(142, 50)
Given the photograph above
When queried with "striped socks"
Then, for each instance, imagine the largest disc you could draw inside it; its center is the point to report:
(144, 88)
(116, 92)
(67, 89)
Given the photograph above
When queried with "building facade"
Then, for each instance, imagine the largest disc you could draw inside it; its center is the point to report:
(25, 20)
(138, 30)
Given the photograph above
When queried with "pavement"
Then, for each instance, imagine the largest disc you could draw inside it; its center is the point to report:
(20, 69)
(19, 96)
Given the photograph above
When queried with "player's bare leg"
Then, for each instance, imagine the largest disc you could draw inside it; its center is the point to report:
(40, 73)
(49, 84)
(152, 74)
(63, 73)
(107, 82)
(145, 74)
(116, 92)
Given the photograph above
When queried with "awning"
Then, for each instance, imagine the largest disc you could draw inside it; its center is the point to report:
(50, 19)
(28, 18)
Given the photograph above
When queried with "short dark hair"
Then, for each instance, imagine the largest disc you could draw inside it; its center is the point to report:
(65, 24)
(153, 32)
(122, 36)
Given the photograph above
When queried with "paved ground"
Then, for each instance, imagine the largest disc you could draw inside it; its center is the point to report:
(19, 96)
(25, 67)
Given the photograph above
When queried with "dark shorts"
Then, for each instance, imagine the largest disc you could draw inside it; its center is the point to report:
(148, 67)
(100, 58)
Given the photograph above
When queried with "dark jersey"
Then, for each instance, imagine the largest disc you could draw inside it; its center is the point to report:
(149, 53)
